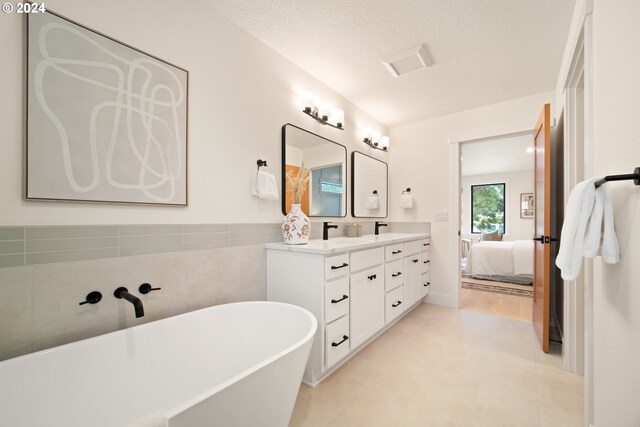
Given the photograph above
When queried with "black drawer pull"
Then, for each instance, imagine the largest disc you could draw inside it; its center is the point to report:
(397, 274)
(426, 262)
(426, 244)
(415, 260)
(396, 252)
(335, 344)
(372, 277)
(396, 304)
(335, 267)
(426, 284)
(335, 301)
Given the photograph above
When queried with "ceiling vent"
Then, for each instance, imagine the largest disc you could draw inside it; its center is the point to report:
(408, 62)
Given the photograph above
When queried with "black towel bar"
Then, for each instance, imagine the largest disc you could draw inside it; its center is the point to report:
(635, 176)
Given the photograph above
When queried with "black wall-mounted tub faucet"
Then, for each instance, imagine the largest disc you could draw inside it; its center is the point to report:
(123, 293)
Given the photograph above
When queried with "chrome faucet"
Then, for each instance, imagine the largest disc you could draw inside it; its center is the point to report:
(378, 225)
(325, 229)
(123, 293)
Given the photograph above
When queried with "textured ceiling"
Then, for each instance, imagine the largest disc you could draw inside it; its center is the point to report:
(497, 156)
(485, 51)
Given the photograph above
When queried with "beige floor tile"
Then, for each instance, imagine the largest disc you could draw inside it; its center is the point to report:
(444, 367)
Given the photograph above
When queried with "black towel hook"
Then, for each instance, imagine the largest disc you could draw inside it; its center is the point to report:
(261, 163)
(375, 192)
(408, 190)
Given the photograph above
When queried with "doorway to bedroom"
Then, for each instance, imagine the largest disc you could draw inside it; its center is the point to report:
(497, 227)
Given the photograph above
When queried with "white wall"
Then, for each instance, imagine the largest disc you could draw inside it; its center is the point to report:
(516, 183)
(616, 150)
(240, 94)
(420, 159)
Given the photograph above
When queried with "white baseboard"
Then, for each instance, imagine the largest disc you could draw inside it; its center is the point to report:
(440, 299)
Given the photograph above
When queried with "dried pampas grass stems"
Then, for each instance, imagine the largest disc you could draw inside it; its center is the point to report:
(297, 183)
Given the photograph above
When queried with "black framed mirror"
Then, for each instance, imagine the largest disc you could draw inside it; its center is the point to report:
(369, 186)
(325, 194)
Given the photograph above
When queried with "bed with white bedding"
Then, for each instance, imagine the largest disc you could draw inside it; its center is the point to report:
(502, 261)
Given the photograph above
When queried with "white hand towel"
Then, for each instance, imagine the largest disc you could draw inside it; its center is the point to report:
(154, 419)
(572, 239)
(594, 227)
(265, 186)
(406, 201)
(597, 234)
(610, 249)
(372, 202)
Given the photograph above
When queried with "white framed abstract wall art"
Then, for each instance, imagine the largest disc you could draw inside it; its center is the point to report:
(105, 122)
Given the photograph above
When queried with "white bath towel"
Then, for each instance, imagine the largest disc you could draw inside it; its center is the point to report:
(265, 186)
(610, 248)
(154, 419)
(406, 201)
(598, 234)
(572, 239)
(372, 202)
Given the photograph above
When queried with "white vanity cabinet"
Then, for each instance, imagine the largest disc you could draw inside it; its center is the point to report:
(355, 290)
(426, 266)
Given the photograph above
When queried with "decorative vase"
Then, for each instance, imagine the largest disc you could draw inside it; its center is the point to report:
(296, 227)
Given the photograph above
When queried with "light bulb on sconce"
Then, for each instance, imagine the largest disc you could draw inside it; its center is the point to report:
(322, 112)
(337, 117)
(378, 142)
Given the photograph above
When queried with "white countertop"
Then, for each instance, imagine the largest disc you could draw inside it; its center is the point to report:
(346, 244)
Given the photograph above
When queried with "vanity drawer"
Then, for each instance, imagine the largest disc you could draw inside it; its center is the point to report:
(426, 262)
(413, 247)
(425, 284)
(425, 244)
(393, 275)
(365, 259)
(336, 266)
(337, 342)
(393, 252)
(394, 304)
(336, 299)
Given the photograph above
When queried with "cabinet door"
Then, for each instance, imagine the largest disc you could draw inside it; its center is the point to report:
(426, 284)
(367, 304)
(412, 285)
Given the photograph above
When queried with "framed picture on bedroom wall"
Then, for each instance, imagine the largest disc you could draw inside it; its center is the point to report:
(526, 205)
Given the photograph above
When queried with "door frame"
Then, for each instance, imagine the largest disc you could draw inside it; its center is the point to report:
(578, 59)
(456, 169)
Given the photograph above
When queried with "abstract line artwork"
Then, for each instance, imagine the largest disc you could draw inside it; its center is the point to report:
(105, 122)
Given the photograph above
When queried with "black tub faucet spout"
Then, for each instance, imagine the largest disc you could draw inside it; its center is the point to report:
(123, 293)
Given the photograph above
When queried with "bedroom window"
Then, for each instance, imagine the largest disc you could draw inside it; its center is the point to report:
(487, 208)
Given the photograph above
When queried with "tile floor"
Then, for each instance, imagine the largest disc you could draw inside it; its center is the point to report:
(444, 367)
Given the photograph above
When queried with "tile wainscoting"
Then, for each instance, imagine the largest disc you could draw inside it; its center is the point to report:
(196, 266)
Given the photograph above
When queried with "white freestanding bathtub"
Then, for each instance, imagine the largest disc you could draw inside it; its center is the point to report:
(230, 365)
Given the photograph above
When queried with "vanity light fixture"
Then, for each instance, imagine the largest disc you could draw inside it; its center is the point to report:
(322, 113)
(378, 142)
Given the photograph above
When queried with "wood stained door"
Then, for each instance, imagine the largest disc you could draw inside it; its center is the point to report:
(542, 219)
